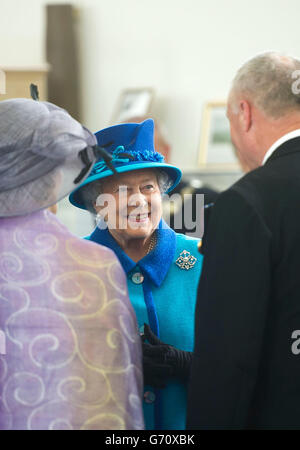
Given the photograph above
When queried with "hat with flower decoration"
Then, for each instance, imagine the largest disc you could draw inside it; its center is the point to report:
(132, 148)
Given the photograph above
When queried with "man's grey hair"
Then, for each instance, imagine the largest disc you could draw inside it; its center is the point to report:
(268, 80)
(90, 192)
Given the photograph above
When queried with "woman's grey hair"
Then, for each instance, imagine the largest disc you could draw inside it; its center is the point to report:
(270, 80)
(90, 192)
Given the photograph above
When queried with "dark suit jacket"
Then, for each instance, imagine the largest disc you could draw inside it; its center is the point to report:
(246, 372)
(210, 197)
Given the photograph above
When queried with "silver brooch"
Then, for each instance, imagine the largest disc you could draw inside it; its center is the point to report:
(186, 260)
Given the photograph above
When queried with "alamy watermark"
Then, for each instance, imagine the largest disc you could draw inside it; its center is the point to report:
(2, 343)
(135, 211)
(296, 83)
(296, 344)
(2, 82)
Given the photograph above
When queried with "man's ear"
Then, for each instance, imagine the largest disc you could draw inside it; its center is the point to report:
(245, 115)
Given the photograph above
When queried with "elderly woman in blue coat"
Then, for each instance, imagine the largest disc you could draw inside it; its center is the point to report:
(162, 267)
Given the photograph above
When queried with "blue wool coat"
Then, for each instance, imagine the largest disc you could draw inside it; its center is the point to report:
(166, 301)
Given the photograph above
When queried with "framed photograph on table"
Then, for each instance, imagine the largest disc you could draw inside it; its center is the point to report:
(133, 103)
(216, 152)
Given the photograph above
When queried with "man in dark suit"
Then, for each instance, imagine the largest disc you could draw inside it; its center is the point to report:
(246, 367)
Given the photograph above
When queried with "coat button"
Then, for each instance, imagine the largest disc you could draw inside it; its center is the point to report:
(137, 278)
(149, 397)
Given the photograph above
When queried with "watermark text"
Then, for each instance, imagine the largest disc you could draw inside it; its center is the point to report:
(296, 83)
(137, 212)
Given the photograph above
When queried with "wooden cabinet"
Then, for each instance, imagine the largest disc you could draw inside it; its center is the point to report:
(18, 79)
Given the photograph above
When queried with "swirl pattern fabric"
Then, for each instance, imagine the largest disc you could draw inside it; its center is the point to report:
(73, 355)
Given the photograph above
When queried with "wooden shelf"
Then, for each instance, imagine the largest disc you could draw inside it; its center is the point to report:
(19, 78)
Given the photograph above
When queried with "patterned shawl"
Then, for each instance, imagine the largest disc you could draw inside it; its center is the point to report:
(72, 351)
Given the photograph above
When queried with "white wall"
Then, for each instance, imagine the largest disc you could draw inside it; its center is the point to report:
(187, 50)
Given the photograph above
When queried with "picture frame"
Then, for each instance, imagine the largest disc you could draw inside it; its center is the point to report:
(133, 103)
(216, 151)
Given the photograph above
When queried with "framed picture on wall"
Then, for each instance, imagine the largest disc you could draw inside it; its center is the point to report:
(133, 103)
(216, 151)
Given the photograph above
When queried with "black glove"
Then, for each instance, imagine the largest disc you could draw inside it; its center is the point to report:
(167, 360)
(156, 373)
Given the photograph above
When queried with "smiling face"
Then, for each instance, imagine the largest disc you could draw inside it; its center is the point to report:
(131, 204)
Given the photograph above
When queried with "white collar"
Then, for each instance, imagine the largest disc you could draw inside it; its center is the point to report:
(284, 138)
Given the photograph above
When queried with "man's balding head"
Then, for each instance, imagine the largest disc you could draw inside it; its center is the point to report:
(263, 105)
(267, 80)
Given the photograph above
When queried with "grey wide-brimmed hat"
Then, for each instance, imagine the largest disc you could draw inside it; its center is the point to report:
(44, 155)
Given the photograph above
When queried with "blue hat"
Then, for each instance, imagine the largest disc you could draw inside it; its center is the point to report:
(132, 148)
